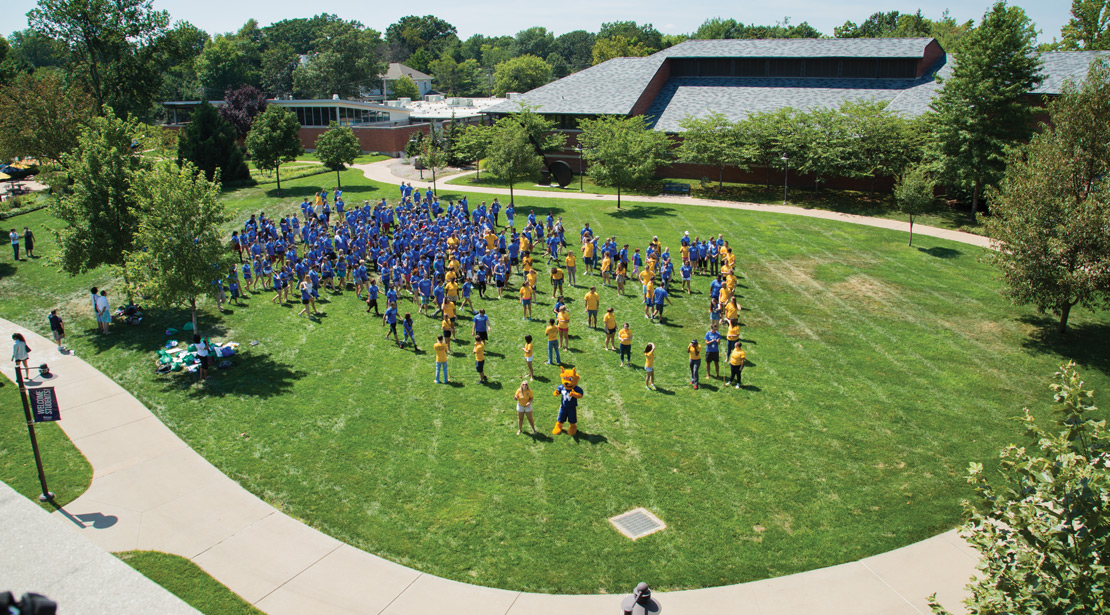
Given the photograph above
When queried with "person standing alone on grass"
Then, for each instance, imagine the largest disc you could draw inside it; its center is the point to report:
(695, 362)
(103, 311)
(528, 355)
(480, 359)
(625, 336)
(736, 361)
(441, 358)
(57, 329)
(552, 333)
(649, 366)
(523, 397)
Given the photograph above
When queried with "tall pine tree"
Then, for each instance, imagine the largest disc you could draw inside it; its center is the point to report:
(982, 108)
(209, 142)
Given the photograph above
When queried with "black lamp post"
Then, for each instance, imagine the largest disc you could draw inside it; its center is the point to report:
(46, 496)
(785, 176)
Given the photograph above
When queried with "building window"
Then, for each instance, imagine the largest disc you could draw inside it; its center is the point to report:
(750, 67)
(822, 67)
(859, 68)
(785, 67)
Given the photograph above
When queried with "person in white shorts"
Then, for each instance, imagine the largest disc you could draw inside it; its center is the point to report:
(523, 397)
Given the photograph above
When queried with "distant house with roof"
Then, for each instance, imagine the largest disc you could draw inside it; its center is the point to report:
(397, 70)
(741, 77)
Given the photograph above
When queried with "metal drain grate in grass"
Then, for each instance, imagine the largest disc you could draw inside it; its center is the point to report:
(637, 523)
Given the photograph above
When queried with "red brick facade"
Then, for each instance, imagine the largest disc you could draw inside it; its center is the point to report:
(388, 140)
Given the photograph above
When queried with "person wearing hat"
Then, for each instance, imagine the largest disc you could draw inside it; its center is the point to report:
(695, 361)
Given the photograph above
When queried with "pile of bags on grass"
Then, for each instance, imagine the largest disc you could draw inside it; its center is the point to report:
(175, 356)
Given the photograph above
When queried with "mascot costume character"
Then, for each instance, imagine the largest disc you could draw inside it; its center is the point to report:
(569, 393)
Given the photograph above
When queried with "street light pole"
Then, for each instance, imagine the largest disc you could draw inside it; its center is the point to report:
(785, 176)
(46, 496)
(581, 163)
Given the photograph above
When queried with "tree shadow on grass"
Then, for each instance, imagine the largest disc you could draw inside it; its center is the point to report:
(940, 252)
(251, 375)
(1085, 343)
(642, 212)
(6, 269)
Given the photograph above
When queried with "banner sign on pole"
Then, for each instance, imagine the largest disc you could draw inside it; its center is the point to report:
(44, 404)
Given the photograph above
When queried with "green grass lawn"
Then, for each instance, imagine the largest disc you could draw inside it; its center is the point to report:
(877, 373)
(68, 473)
(187, 581)
(843, 201)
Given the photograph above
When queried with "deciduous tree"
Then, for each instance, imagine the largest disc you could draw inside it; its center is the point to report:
(241, 106)
(472, 144)
(1052, 209)
(606, 49)
(111, 44)
(99, 210)
(714, 141)
(622, 152)
(520, 74)
(178, 251)
(348, 57)
(404, 87)
(274, 140)
(914, 194)
(1089, 26)
(337, 148)
(1042, 525)
(41, 116)
(512, 154)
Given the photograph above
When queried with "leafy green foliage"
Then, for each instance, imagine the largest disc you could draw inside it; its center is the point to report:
(981, 109)
(622, 151)
(404, 87)
(1043, 526)
(178, 249)
(337, 147)
(512, 155)
(209, 142)
(99, 208)
(879, 143)
(520, 74)
(111, 45)
(41, 116)
(1052, 208)
(534, 41)
(347, 58)
(717, 27)
(472, 144)
(457, 78)
(576, 47)
(645, 35)
(412, 33)
(224, 65)
(240, 107)
(606, 49)
(1089, 26)
(914, 194)
(714, 141)
(274, 139)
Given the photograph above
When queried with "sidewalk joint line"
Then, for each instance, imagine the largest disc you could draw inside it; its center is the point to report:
(511, 604)
(883, 581)
(286, 582)
(402, 592)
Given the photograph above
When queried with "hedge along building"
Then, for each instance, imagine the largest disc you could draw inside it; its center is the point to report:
(740, 77)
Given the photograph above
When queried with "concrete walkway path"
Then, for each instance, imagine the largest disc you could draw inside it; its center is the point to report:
(383, 171)
(151, 491)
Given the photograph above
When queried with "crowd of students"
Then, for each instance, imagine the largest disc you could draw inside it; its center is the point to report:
(438, 258)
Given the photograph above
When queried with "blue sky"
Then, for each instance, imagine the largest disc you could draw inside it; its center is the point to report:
(508, 17)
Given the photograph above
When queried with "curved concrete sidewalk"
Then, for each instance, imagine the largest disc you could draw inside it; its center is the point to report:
(151, 491)
(381, 171)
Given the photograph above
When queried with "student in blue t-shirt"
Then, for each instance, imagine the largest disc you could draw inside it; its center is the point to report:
(372, 298)
(712, 350)
(390, 318)
(687, 271)
(481, 325)
(406, 326)
(661, 296)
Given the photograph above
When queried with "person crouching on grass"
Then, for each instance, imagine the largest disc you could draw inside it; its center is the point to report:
(523, 397)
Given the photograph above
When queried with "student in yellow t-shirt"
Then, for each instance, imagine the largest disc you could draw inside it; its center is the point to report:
(556, 282)
(563, 319)
(480, 359)
(588, 255)
(695, 361)
(736, 360)
(649, 298)
(649, 366)
(733, 335)
(610, 323)
(441, 348)
(552, 333)
(606, 268)
(526, 301)
(523, 397)
(448, 330)
(528, 355)
(532, 278)
(591, 301)
(570, 262)
(622, 275)
(625, 335)
(732, 309)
